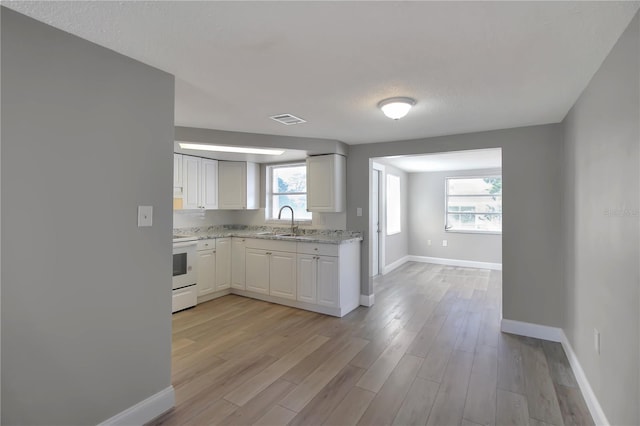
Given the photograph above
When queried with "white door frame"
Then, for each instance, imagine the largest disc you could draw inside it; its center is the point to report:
(377, 231)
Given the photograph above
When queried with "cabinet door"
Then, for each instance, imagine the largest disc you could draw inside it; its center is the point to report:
(306, 278)
(328, 288)
(177, 170)
(223, 263)
(282, 274)
(257, 270)
(326, 183)
(238, 263)
(206, 272)
(209, 184)
(190, 182)
(232, 184)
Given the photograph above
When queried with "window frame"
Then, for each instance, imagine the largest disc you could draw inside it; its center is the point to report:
(269, 194)
(446, 205)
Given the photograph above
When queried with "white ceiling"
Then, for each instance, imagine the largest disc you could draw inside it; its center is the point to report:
(471, 66)
(456, 160)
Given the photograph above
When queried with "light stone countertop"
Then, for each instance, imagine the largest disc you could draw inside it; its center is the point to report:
(261, 232)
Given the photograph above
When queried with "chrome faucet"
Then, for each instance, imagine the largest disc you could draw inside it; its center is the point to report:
(293, 228)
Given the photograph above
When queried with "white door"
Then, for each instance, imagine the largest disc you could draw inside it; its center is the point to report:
(282, 275)
(257, 272)
(238, 263)
(223, 263)
(328, 288)
(375, 222)
(206, 272)
(306, 273)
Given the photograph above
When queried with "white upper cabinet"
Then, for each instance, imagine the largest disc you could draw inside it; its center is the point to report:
(177, 170)
(200, 183)
(238, 185)
(326, 183)
(209, 184)
(191, 182)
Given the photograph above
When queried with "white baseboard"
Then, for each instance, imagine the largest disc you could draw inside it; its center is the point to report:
(146, 410)
(367, 300)
(394, 265)
(544, 332)
(593, 404)
(555, 334)
(456, 262)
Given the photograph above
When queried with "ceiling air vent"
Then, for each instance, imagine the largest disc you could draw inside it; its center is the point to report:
(287, 119)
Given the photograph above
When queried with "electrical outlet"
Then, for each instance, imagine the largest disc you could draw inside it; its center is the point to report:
(428, 242)
(596, 340)
(444, 243)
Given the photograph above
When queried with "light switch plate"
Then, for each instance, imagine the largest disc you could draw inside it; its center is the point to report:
(145, 216)
(359, 211)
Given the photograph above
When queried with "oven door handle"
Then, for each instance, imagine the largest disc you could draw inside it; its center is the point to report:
(185, 244)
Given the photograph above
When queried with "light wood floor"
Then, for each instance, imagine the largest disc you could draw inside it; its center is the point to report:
(429, 352)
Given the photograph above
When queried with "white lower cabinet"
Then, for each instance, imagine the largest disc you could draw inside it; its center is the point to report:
(282, 274)
(307, 277)
(238, 263)
(327, 284)
(257, 270)
(318, 280)
(314, 276)
(206, 283)
(271, 272)
(223, 263)
(214, 267)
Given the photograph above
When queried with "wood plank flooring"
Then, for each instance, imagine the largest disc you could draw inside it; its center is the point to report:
(429, 352)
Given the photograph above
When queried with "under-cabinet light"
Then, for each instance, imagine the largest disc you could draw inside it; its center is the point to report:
(222, 148)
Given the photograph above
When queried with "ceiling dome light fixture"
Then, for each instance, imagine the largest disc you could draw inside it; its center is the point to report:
(396, 108)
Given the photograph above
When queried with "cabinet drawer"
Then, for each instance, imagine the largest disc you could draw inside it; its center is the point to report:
(183, 298)
(318, 248)
(271, 245)
(207, 244)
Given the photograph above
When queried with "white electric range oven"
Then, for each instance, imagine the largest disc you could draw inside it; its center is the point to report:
(185, 294)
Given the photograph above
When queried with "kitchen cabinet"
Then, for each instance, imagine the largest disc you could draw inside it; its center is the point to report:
(318, 274)
(328, 287)
(257, 270)
(319, 277)
(282, 274)
(238, 263)
(326, 183)
(200, 183)
(177, 171)
(238, 185)
(271, 268)
(223, 263)
(206, 260)
(307, 277)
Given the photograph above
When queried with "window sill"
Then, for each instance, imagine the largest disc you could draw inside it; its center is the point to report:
(469, 231)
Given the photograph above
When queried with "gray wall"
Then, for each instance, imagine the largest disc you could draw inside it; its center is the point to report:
(531, 230)
(397, 245)
(602, 232)
(87, 136)
(426, 221)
